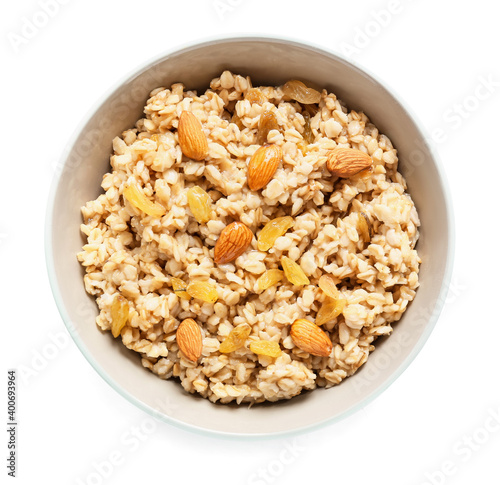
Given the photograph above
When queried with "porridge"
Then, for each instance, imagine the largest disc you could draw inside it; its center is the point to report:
(252, 242)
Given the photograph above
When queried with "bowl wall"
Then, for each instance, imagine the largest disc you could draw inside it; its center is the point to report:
(267, 61)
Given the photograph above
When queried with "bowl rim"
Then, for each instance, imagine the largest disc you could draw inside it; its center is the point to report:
(207, 42)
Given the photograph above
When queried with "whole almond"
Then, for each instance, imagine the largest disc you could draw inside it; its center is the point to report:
(346, 162)
(233, 241)
(192, 140)
(189, 339)
(263, 165)
(310, 338)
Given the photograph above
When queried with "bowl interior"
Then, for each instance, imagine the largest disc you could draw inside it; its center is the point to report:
(267, 61)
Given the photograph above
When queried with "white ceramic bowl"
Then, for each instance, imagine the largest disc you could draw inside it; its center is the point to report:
(268, 61)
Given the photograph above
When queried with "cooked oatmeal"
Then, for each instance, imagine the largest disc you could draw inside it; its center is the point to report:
(251, 294)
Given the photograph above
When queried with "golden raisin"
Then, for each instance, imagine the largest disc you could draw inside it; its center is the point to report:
(237, 121)
(269, 278)
(363, 226)
(180, 288)
(293, 272)
(331, 308)
(298, 91)
(302, 147)
(119, 315)
(327, 284)
(265, 347)
(267, 122)
(308, 134)
(272, 231)
(139, 200)
(364, 175)
(203, 290)
(312, 109)
(236, 339)
(255, 96)
(200, 204)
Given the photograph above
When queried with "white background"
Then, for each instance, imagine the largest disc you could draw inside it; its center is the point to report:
(429, 426)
